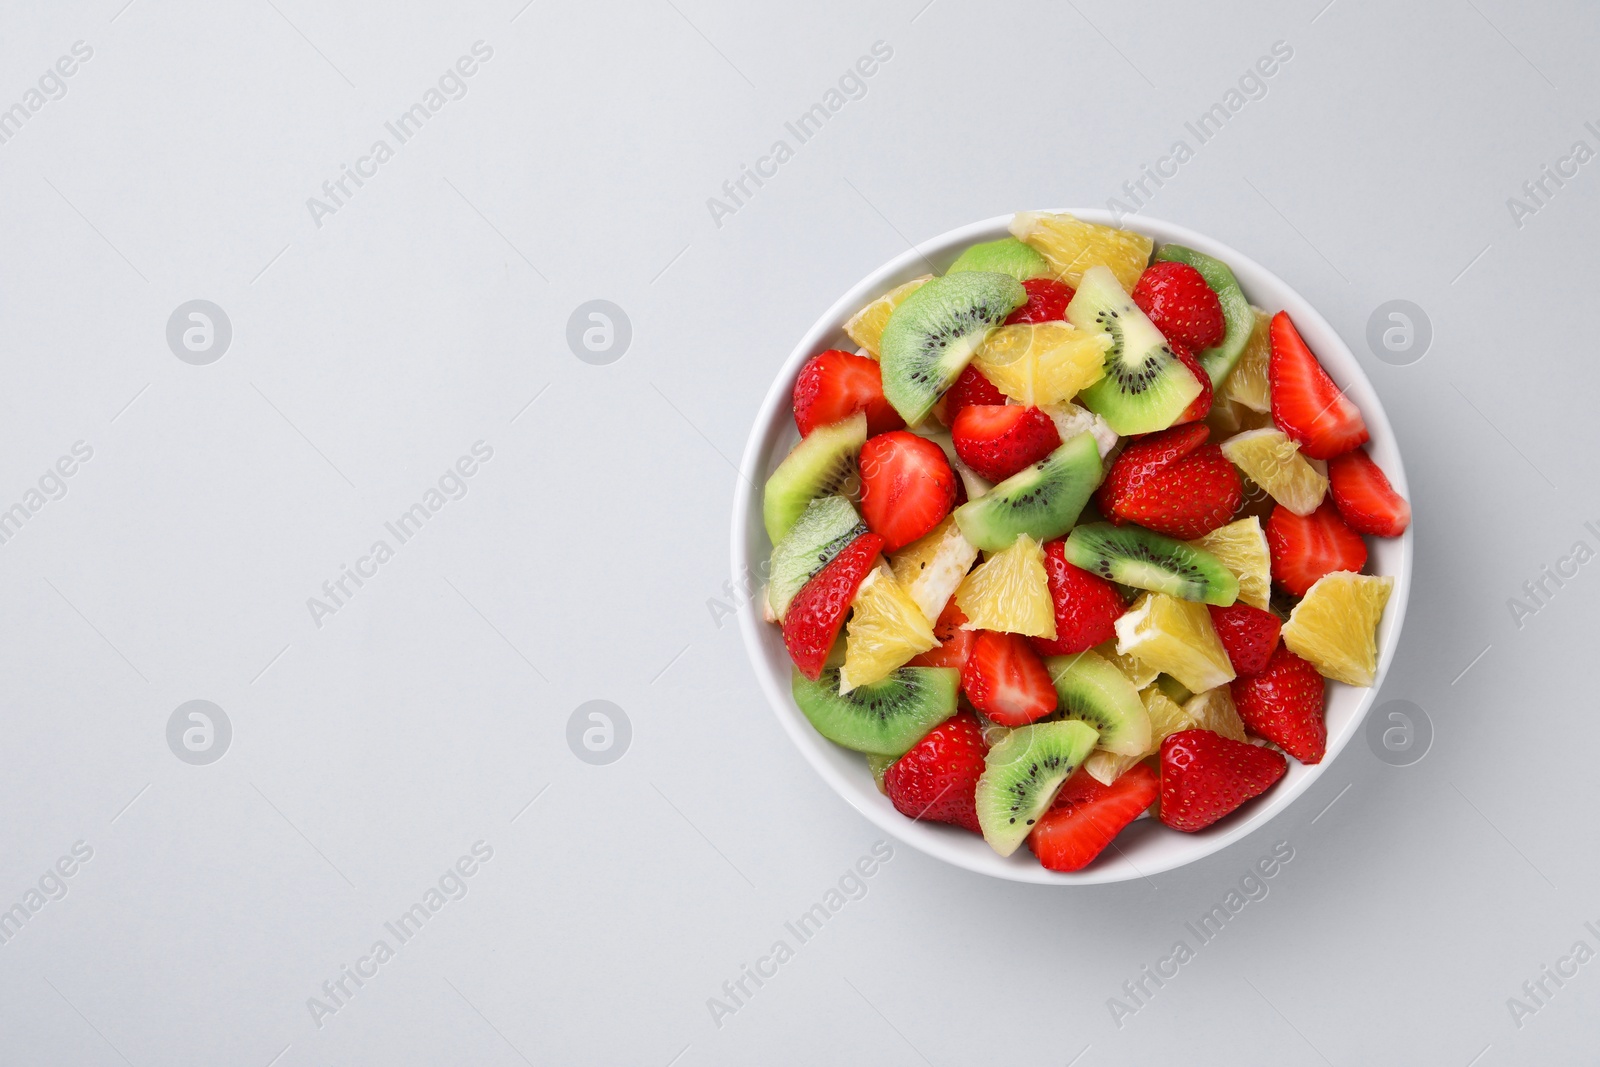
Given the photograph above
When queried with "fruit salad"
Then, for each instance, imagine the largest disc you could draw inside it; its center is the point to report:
(1075, 535)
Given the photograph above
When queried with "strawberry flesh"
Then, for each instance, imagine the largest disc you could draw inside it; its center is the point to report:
(1086, 815)
(937, 780)
(1248, 634)
(817, 612)
(1306, 548)
(1284, 705)
(998, 440)
(835, 385)
(1306, 404)
(1205, 776)
(1047, 302)
(1365, 498)
(970, 388)
(1087, 606)
(1174, 483)
(1200, 407)
(907, 487)
(955, 643)
(1183, 307)
(1006, 680)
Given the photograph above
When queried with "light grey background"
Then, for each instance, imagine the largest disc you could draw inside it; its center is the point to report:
(587, 560)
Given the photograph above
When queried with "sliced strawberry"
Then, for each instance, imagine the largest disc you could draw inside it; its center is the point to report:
(1284, 705)
(1365, 498)
(1248, 633)
(1047, 302)
(1174, 483)
(818, 609)
(907, 487)
(1201, 405)
(937, 780)
(955, 643)
(1087, 606)
(970, 388)
(836, 385)
(1182, 306)
(1205, 776)
(1086, 815)
(1304, 549)
(998, 440)
(1006, 680)
(1306, 404)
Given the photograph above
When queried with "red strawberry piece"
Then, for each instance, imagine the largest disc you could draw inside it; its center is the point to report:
(1087, 606)
(818, 609)
(1200, 407)
(1205, 776)
(1181, 304)
(1174, 483)
(1006, 680)
(1086, 815)
(1248, 633)
(1365, 498)
(1306, 404)
(970, 388)
(907, 486)
(1304, 549)
(1284, 704)
(836, 385)
(998, 440)
(938, 779)
(955, 643)
(1047, 302)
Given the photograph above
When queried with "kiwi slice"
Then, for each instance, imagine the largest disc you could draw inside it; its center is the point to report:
(1021, 775)
(931, 336)
(1236, 311)
(822, 464)
(1005, 256)
(1145, 388)
(1042, 501)
(827, 525)
(1094, 690)
(1143, 559)
(879, 766)
(885, 718)
(1174, 689)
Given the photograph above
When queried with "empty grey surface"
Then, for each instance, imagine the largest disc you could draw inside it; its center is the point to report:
(432, 710)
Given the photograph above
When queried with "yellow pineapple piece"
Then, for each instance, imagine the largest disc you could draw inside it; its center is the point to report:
(1176, 637)
(1247, 383)
(932, 567)
(1009, 592)
(886, 628)
(1242, 548)
(865, 327)
(1274, 462)
(1072, 246)
(1043, 363)
(1335, 626)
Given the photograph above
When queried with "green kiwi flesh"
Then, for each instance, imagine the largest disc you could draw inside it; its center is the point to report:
(1144, 559)
(1042, 501)
(1218, 360)
(827, 525)
(1005, 256)
(822, 464)
(931, 336)
(1145, 388)
(885, 718)
(1021, 775)
(1093, 689)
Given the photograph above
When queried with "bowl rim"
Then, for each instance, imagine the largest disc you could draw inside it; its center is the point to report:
(774, 417)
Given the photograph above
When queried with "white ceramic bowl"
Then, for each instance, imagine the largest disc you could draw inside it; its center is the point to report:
(1146, 847)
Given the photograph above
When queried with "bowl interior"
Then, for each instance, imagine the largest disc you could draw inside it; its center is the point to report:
(1146, 847)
